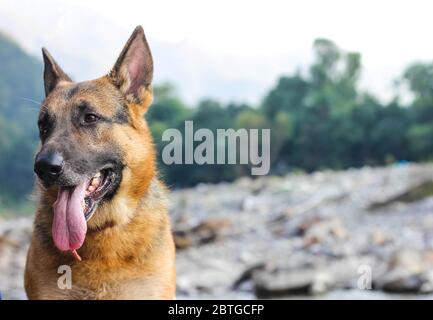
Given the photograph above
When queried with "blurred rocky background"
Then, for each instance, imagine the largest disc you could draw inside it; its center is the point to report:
(362, 233)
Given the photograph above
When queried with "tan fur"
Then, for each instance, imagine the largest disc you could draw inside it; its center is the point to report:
(128, 252)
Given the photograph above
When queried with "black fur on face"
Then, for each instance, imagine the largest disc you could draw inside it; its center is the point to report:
(72, 126)
(88, 129)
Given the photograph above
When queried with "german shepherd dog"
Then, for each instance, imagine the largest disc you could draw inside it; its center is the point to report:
(102, 210)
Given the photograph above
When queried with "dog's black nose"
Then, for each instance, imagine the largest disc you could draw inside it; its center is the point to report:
(48, 165)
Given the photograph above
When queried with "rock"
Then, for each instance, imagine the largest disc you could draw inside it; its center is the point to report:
(379, 238)
(408, 272)
(5, 241)
(182, 240)
(411, 194)
(318, 230)
(402, 282)
(308, 223)
(409, 260)
(14, 240)
(248, 274)
(290, 282)
(205, 232)
(427, 285)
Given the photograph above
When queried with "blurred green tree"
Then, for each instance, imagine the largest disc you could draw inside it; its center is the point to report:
(319, 118)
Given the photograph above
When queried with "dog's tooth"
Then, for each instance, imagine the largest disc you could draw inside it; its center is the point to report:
(95, 181)
(91, 188)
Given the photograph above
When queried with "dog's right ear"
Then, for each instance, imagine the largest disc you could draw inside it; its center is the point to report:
(133, 70)
(53, 74)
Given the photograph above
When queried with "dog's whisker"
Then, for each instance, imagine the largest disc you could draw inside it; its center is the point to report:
(32, 110)
(39, 183)
(38, 103)
(30, 100)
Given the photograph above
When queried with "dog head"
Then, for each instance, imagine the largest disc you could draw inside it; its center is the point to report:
(95, 143)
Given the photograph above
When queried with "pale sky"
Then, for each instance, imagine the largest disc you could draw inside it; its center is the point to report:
(271, 26)
(388, 34)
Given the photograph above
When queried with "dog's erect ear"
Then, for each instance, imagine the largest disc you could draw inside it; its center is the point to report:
(133, 70)
(53, 74)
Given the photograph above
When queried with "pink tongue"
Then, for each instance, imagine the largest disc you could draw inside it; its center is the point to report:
(69, 223)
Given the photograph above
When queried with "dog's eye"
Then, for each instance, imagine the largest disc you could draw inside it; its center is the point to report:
(43, 126)
(43, 129)
(91, 118)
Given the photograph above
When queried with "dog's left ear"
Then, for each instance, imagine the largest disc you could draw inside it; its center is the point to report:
(53, 74)
(133, 70)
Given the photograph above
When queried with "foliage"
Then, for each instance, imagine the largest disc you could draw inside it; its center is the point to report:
(318, 119)
(20, 94)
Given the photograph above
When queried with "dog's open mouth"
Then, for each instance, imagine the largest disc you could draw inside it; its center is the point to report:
(75, 205)
(96, 189)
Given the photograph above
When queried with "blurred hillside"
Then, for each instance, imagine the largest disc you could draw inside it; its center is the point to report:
(20, 94)
(319, 119)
